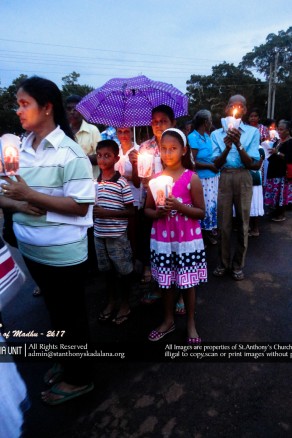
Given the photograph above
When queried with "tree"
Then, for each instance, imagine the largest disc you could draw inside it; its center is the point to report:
(274, 60)
(71, 86)
(262, 56)
(213, 92)
(9, 121)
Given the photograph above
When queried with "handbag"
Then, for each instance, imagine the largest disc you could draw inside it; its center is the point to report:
(289, 170)
(11, 276)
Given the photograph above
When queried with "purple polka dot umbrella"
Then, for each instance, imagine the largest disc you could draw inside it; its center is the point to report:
(129, 102)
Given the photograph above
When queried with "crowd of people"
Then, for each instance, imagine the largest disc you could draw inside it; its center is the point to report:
(80, 204)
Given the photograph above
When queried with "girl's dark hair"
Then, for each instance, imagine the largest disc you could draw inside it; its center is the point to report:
(45, 91)
(186, 159)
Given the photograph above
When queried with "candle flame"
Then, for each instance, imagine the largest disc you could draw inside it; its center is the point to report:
(234, 112)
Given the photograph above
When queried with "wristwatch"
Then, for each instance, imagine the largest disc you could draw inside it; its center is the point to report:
(278, 153)
(240, 147)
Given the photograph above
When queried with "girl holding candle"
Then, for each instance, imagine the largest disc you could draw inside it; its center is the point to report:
(177, 249)
(162, 118)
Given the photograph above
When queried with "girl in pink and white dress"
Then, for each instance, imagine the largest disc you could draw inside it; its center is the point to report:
(178, 257)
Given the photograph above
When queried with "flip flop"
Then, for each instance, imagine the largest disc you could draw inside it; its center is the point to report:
(253, 234)
(150, 298)
(180, 309)
(36, 292)
(66, 396)
(219, 271)
(156, 335)
(118, 320)
(54, 374)
(237, 275)
(104, 316)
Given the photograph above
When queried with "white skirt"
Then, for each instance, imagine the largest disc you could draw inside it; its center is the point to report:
(257, 202)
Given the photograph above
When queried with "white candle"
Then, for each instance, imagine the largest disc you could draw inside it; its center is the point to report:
(161, 188)
(10, 154)
(145, 164)
(96, 191)
(230, 122)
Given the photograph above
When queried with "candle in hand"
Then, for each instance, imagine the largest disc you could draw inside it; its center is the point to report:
(161, 188)
(230, 122)
(145, 164)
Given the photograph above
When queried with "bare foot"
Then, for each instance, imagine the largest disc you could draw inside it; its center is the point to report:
(192, 332)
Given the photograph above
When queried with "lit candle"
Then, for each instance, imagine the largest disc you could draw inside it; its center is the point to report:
(145, 164)
(9, 146)
(273, 134)
(231, 122)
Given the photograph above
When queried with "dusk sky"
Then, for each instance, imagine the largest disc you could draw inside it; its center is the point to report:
(166, 40)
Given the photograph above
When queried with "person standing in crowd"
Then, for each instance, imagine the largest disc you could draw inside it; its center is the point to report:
(278, 189)
(258, 172)
(254, 119)
(87, 136)
(178, 257)
(162, 118)
(272, 128)
(201, 147)
(186, 127)
(257, 201)
(114, 205)
(56, 178)
(233, 153)
(124, 166)
(13, 392)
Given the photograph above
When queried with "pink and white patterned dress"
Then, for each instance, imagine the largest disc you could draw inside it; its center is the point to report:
(177, 249)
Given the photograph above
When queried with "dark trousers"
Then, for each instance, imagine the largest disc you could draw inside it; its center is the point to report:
(92, 267)
(63, 290)
(144, 235)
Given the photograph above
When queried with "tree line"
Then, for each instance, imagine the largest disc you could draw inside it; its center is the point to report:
(271, 60)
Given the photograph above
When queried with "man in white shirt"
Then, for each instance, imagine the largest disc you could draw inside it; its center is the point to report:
(86, 134)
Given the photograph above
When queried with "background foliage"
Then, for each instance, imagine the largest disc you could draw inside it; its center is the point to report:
(250, 78)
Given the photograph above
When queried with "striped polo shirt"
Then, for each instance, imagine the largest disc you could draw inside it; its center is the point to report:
(58, 167)
(113, 194)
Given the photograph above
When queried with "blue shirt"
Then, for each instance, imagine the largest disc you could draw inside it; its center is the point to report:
(250, 140)
(203, 144)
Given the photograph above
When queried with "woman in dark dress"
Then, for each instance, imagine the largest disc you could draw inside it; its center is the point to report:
(278, 190)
